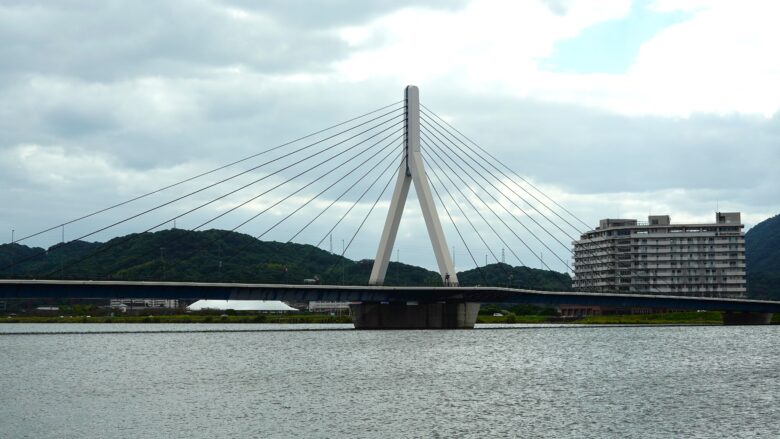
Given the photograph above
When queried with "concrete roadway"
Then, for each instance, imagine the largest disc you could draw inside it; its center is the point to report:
(70, 289)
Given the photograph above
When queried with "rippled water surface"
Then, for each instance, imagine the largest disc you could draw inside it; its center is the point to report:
(556, 382)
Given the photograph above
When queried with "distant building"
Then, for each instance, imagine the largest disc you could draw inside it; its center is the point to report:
(658, 257)
(125, 304)
(315, 306)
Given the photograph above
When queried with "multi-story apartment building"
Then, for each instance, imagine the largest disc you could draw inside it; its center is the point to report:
(658, 257)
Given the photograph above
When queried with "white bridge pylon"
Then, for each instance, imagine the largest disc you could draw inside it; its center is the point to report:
(413, 171)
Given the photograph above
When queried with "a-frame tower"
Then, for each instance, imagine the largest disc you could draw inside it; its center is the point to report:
(413, 171)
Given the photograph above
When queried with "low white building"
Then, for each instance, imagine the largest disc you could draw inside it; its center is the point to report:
(242, 305)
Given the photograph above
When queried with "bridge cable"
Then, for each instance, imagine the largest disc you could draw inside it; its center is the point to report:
(589, 240)
(465, 197)
(458, 205)
(476, 154)
(532, 206)
(508, 169)
(381, 194)
(288, 196)
(449, 144)
(59, 246)
(488, 206)
(129, 237)
(307, 170)
(353, 185)
(476, 194)
(447, 211)
(460, 208)
(423, 132)
(226, 232)
(203, 174)
(390, 163)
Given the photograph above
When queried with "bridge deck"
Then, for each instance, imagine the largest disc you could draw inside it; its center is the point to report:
(69, 289)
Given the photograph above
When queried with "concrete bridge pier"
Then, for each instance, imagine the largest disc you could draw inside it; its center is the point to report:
(414, 315)
(746, 318)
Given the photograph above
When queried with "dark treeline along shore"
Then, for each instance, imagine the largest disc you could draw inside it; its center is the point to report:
(223, 256)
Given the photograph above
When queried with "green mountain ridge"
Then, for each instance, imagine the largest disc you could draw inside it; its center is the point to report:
(224, 256)
(762, 259)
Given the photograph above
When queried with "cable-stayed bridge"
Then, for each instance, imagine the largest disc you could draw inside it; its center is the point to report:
(337, 178)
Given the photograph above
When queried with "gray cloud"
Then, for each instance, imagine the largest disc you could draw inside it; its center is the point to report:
(591, 151)
(101, 103)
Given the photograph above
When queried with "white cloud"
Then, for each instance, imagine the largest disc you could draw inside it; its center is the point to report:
(488, 41)
(718, 61)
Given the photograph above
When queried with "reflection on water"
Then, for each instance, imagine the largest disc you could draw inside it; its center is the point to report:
(629, 382)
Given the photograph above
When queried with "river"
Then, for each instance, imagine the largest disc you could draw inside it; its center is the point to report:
(269, 381)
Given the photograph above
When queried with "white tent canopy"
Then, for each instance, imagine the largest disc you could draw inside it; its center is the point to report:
(241, 305)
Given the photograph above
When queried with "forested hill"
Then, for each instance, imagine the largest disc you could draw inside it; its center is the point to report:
(222, 256)
(518, 277)
(762, 254)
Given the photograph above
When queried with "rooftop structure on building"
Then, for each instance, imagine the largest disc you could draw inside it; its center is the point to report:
(658, 257)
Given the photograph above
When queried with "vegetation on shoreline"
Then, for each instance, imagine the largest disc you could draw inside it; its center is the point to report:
(762, 254)
(679, 318)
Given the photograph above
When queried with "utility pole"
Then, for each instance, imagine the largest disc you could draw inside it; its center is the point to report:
(63, 234)
(330, 248)
(503, 257)
(398, 266)
(12, 235)
(220, 261)
(162, 261)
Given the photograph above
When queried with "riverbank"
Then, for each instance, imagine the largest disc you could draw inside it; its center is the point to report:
(679, 318)
(185, 318)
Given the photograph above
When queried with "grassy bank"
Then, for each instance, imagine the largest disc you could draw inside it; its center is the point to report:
(515, 319)
(674, 318)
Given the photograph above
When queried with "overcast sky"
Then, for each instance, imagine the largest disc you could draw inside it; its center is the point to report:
(614, 108)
